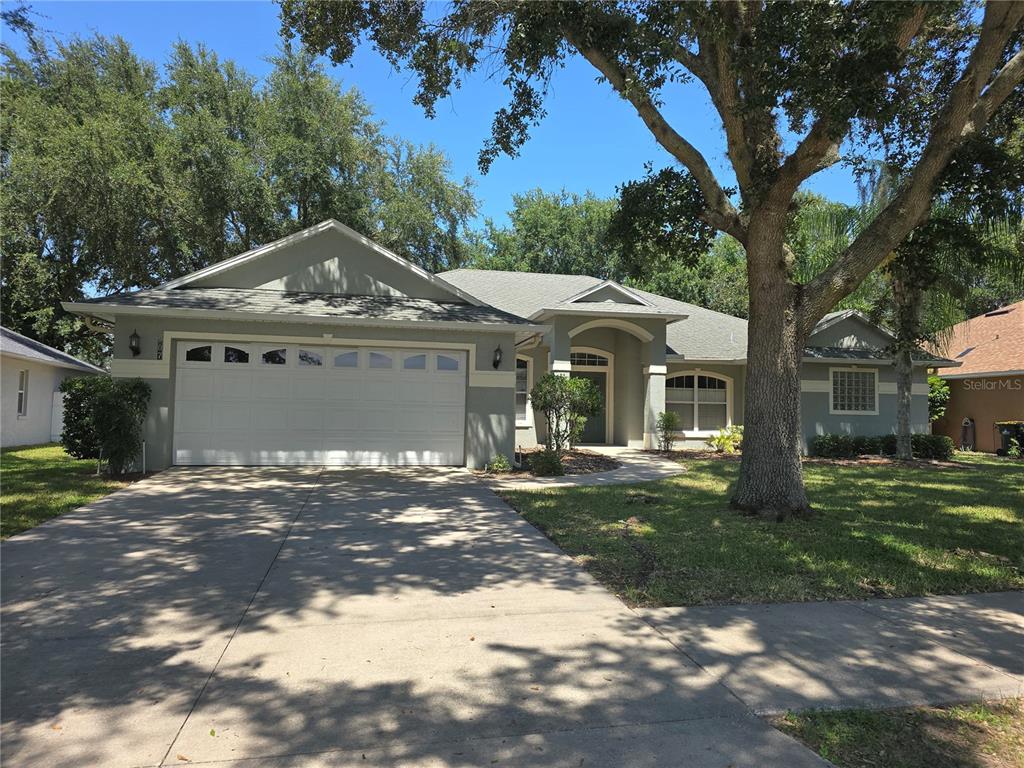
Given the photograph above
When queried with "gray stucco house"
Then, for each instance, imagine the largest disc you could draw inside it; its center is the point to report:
(326, 348)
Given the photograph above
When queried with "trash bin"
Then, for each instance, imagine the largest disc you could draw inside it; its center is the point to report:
(1008, 431)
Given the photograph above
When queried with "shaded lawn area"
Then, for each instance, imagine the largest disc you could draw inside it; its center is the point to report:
(38, 482)
(883, 530)
(981, 735)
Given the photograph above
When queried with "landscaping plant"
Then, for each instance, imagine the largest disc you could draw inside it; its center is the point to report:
(728, 440)
(564, 401)
(499, 464)
(103, 419)
(667, 426)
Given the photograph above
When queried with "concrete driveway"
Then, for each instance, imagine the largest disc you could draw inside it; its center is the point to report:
(308, 617)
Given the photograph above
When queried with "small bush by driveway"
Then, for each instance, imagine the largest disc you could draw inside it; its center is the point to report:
(883, 530)
(42, 481)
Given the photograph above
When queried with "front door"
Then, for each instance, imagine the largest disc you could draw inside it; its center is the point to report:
(595, 432)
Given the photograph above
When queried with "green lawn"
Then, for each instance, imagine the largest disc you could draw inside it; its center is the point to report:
(38, 482)
(883, 530)
(978, 735)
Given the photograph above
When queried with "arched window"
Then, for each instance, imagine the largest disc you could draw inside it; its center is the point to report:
(701, 400)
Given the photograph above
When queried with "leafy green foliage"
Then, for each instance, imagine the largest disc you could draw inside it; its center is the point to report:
(728, 440)
(103, 419)
(938, 397)
(564, 401)
(546, 463)
(666, 427)
(499, 464)
(840, 446)
(114, 176)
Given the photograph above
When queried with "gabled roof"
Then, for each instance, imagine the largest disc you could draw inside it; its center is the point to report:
(836, 317)
(538, 295)
(254, 303)
(14, 344)
(270, 249)
(988, 345)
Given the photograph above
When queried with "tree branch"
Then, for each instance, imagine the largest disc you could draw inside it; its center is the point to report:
(966, 112)
(720, 211)
(820, 147)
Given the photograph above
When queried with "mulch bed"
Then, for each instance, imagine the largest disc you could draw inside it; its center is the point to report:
(579, 461)
(861, 461)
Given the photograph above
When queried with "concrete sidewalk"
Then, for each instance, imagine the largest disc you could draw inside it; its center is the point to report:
(637, 467)
(874, 653)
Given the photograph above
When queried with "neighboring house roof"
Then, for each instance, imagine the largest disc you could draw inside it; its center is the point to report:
(13, 344)
(315, 306)
(988, 345)
(920, 357)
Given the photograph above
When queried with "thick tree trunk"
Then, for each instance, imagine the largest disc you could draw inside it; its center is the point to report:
(908, 320)
(771, 479)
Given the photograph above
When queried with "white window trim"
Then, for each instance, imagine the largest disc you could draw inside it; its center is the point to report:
(832, 390)
(528, 421)
(22, 401)
(696, 400)
(609, 385)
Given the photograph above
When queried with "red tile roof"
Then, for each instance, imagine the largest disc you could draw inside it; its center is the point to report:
(989, 344)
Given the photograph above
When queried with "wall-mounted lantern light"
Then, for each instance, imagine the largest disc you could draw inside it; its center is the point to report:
(497, 356)
(135, 343)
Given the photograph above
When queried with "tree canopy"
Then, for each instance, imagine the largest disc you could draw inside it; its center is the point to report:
(117, 175)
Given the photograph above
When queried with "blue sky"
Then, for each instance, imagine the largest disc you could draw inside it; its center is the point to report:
(590, 140)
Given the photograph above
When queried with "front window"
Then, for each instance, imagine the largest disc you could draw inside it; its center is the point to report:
(588, 358)
(23, 393)
(522, 388)
(700, 400)
(854, 391)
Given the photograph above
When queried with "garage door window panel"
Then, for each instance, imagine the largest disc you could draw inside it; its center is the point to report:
(381, 361)
(274, 356)
(414, 362)
(348, 358)
(310, 358)
(196, 354)
(235, 355)
(449, 363)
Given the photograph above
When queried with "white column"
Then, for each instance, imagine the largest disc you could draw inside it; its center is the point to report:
(654, 402)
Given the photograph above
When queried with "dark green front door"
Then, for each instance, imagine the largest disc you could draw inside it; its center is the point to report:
(595, 430)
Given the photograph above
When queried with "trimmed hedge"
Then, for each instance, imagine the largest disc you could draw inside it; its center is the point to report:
(851, 446)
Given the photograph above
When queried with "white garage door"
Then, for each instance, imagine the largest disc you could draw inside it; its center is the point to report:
(237, 403)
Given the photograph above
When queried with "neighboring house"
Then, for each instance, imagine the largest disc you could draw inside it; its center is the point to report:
(325, 347)
(31, 405)
(988, 386)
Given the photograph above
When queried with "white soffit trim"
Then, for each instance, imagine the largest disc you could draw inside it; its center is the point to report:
(317, 229)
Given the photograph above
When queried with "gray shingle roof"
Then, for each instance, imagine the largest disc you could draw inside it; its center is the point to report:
(259, 301)
(704, 335)
(526, 293)
(13, 343)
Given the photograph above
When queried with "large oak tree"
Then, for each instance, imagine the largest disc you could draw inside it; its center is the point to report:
(797, 87)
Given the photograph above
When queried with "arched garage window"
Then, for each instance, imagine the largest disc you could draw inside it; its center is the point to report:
(701, 400)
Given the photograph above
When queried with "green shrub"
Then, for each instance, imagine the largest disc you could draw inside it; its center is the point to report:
(499, 464)
(851, 446)
(666, 427)
(728, 439)
(79, 437)
(103, 418)
(566, 404)
(833, 446)
(932, 447)
(546, 463)
(938, 397)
